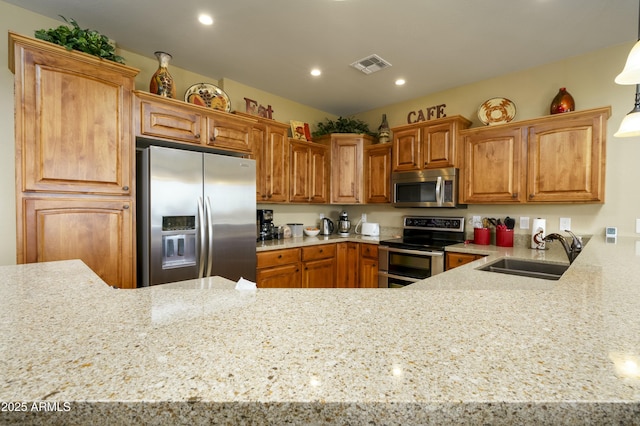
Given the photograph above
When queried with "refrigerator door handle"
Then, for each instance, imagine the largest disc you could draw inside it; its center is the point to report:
(210, 238)
(203, 238)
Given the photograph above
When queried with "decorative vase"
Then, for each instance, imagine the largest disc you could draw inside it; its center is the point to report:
(563, 102)
(383, 130)
(162, 82)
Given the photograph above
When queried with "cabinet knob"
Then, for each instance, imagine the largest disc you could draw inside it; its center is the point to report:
(126, 207)
(212, 138)
(125, 188)
(197, 136)
(531, 195)
(279, 256)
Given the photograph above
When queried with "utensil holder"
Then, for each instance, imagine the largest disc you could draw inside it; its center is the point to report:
(504, 237)
(481, 236)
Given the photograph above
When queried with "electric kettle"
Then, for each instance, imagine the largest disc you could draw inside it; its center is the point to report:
(326, 226)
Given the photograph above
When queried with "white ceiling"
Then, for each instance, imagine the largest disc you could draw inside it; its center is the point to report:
(433, 44)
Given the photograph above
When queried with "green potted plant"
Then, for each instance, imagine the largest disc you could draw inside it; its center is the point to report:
(342, 125)
(83, 40)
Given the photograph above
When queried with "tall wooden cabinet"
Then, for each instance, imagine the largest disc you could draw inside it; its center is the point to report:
(74, 158)
(554, 159)
(377, 174)
(347, 166)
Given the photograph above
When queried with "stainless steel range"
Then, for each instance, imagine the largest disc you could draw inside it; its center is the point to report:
(419, 254)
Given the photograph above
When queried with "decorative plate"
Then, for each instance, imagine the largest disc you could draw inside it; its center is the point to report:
(497, 111)
(208, 95)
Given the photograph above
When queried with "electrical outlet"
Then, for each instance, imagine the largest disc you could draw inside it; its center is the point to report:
(565, 224)
(637, 226)
(524, 223)
(363, 217)
(476, 221)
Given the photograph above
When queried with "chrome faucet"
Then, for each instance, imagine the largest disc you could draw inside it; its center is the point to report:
(576, 244)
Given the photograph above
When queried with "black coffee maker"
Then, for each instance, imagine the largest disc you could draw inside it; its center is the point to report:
(264, 224)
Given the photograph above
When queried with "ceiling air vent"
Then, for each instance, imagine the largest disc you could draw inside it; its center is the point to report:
(370, 64)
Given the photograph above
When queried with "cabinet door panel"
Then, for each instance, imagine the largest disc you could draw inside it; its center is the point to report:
(299, 179)
(347, 257)
(276, 166)
(170, 123)
(228, 134)
(368, 273)
(74, 135)
(319, 174)
(286, 276)
(378, 174)
(406, 150)
(438, 149)
(319, 273)
(566, 161)
(346, 169)
(494, 167)
(97, 232)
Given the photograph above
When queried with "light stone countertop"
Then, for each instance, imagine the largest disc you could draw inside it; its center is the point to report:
(304, 241)
(465, 346)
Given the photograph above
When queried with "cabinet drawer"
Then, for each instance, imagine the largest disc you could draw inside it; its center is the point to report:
(369, 250)
(318, 252)
(170, 123)
(277, 257)
(459, 259)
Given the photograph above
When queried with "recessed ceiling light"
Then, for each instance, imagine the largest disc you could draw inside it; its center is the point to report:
(400, 82)
(316, 72)
(205, 19)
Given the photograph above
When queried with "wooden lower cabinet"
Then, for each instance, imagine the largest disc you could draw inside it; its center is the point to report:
(454, 259)
(347, 254)
(98, 232)
(368, 266)
(278, 269)
(286, 276)
(335, 265)
(319, 266)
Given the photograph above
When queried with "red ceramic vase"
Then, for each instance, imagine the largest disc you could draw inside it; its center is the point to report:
(563, 102)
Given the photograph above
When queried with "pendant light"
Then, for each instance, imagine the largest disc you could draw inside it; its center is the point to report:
(630, 125)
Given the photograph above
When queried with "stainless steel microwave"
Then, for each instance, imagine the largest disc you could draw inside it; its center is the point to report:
(426, 188)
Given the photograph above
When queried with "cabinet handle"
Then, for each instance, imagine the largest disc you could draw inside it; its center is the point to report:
(321, 250)
(126, 207)
(531, 195)
(212, 138)
(125, 188)
(197, 136)
(515, 195)
(279, 256)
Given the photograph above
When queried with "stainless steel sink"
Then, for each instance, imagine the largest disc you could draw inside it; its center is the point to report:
(526, 268)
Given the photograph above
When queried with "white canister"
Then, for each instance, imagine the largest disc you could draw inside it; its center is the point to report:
(538, 233)
(296, 229)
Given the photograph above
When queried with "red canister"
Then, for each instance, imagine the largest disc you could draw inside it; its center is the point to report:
(481, 236)
(504, 237)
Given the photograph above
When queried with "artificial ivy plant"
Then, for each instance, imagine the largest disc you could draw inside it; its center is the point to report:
(342, 125)
(83, 40)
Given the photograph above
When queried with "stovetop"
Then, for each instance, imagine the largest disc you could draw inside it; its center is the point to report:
(429, 233)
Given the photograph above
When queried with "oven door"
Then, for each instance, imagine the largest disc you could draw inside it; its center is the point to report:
(400, 267)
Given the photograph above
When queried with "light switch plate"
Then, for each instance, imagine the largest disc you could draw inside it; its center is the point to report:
(565, 224)
(524, 223)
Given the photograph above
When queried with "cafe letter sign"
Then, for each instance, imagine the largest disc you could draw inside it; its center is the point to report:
(436, 111)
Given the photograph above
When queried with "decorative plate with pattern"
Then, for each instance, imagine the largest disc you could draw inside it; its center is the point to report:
(208, 95)
(497, 111)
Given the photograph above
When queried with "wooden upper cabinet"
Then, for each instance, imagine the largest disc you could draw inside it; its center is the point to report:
(347, 166)
(567, 158)
(309, 177)
(72, 117)
(377, 173)
(428, 144)
(494, 166)
(173, 120)
(554, 159)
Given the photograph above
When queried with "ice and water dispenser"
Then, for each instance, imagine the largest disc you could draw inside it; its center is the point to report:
(178, 241)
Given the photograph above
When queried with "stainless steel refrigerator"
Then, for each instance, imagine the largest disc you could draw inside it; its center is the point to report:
(196, 216)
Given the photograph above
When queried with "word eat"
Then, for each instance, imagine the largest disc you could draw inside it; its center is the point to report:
(254, 109)
(436, 111)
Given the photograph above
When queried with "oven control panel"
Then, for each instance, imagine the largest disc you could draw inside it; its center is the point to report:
(434, 223)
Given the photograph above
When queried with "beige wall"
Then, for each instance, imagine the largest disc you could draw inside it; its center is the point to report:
(589, 78)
